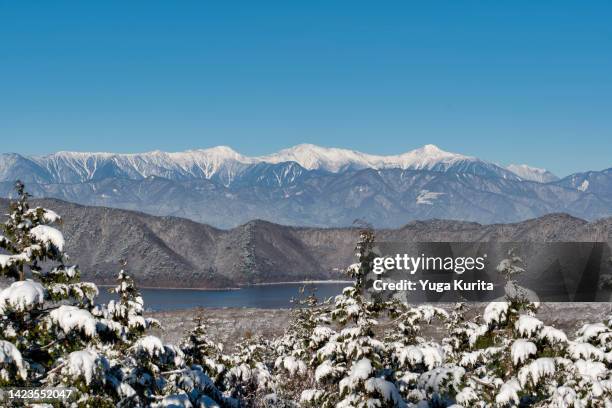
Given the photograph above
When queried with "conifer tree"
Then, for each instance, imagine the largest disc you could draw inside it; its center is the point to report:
(349, 371)
(128, 309)
(45, 340)
(200, 349)
(294, 350)
(148, 372)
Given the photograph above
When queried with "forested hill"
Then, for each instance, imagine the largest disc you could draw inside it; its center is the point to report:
(176, 252)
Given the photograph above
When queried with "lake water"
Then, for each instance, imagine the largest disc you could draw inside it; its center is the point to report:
(264, 297)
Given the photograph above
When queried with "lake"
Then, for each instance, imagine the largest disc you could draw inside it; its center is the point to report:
(263, 297)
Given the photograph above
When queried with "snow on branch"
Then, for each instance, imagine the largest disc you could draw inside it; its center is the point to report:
(48, 236)
(22, 296)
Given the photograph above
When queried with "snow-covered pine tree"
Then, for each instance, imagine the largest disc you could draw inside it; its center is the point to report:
(129, 308)
(295, 349)
(455, 326)
(146, 372)
(249, 378)
(200, 349)
(408, 354)
(45, 342)
(244, 377)
(26, 238)
(482, 349)
(349, 362)
(197, 346)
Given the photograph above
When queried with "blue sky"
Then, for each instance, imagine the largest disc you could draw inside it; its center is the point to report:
(520, 81)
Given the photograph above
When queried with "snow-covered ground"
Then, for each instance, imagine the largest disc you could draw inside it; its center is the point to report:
(229, 325)
(226, 325)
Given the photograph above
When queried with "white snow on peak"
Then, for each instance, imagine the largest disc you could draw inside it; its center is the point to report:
(217, 153)
(335, 159)
(532, 173)
(225, 164)
(313, 157)
(201, 163)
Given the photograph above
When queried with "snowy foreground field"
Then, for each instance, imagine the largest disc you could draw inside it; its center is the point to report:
(228, 325)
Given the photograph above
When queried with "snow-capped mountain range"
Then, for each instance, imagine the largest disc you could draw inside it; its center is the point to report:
(225, 164)
(310, 185)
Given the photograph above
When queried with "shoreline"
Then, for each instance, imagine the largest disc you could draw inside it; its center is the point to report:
(306, 282)
(172, 288)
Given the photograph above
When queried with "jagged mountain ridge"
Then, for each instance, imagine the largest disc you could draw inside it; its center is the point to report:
(532, 173)
(176, 252)
(307, 185)
(223, 164)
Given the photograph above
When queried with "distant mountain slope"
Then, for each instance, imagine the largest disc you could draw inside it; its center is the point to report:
(175, 252)
(289, 194)
(309, 185)
(532, 173)
(591, 182)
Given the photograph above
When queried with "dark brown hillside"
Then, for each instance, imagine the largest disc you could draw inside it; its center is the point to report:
(176, 252)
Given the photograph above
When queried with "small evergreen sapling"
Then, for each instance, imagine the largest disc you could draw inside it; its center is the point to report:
(129, 308)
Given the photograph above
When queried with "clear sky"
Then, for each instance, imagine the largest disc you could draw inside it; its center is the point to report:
(511, 82)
